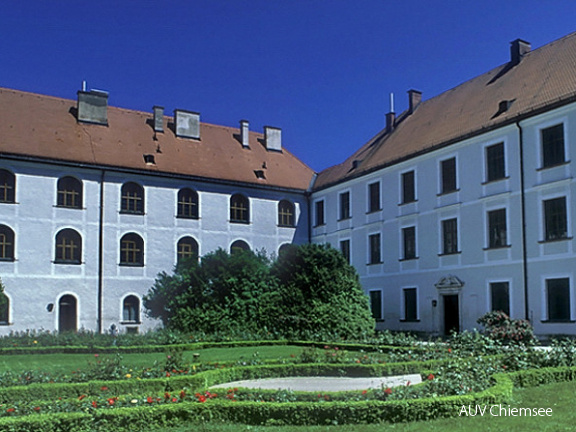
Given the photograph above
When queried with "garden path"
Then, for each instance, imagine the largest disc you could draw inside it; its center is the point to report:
(328, 384)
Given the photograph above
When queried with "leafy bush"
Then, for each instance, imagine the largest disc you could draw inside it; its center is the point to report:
(500, 327)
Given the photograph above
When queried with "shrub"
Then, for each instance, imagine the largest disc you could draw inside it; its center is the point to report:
(500, 327)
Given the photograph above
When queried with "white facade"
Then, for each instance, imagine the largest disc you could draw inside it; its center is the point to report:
(440, 283)
(99, 291)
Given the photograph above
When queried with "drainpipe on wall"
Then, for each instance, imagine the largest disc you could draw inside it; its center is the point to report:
(101, 254)
(523, 224)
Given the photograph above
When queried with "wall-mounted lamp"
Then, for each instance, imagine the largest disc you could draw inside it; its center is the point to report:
(50, 307)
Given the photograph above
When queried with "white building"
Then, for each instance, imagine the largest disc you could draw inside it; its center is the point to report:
(95, 201)
(463, 203)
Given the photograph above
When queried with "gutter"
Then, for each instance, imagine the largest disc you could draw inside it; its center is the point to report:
(523, 222)
(100, 324)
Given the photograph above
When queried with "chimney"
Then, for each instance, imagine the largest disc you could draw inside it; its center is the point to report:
(391, 116)
(244, 133)
(93, 107)
(187, 124)
(273, 138)
(518, 49)
(158, 118)
(414, 99)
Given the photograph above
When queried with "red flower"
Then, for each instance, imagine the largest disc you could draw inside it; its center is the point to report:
(104, 388)
(167, 374)
(81, 397)
(174, 400)
(149, 400)
(111, 401)
(326, 347)
(430, 377)
(166, 395)
(201, 398)
(182, 394)
(449, 350)
(408, 383)
(94, 404)
(388, 391)
(36, 408)
(364, 392)
(10, 410)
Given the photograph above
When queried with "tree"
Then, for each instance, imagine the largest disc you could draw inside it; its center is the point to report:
(309, 290)
(320, 292)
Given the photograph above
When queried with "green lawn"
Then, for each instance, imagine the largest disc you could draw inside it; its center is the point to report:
(65, 363)
(559, 397)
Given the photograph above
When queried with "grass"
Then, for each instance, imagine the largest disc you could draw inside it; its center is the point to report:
(65, 363)
(559, 397)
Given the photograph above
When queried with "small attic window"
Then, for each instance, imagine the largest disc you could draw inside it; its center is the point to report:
(149, 159)
(355, 163)
(260, 174)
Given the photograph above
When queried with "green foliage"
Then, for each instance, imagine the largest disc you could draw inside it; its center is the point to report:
(500, 327)
(310, 290)
(320, 290)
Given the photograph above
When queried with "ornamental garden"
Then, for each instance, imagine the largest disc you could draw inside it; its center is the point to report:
(164, 379)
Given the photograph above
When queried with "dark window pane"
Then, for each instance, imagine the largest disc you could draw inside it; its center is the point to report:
(132, 250)
(450, 236)
(497, 230)
(558, 291)
(409, 237)
(6, 243)
(499, 293)
(187, 204)
(553, 145)
(345, 205)
(132, 199)
(319, 213)
(7, 186)
(239, 209)
(68, 247)
(495, 164)
(374, 197)
(408, 187)
(555, 219)
(187, 249)
(286, 216)
(374, 241)
(345, 249)
(410, 306)
(449, 175)
(70, 192)
(376, 304)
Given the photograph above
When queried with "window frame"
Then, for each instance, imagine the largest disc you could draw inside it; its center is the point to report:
(7, 244)
(319, 212)
(556, 155)
(374, 250)
(446, 235)
(193, 253)
(409, 251)
(286, 214)
(448, 175)
(187, 204)
(132, 198)
(374, 197)
(410, 309)
(379, 308)
(239, 209)
(345, 250)
(493, 241)
(5, 311)
(491, 288)
(69, 192)
(68, 247)
(344, 203)
(563, 302)
(235, 246)
(561, 220)
(137, 310)
(136, 252)
(7, 186)
(408, 188)
(495, 163)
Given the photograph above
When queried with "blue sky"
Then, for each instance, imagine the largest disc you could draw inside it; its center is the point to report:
(322, 70)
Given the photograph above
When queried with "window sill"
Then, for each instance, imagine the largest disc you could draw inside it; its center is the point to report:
(448, 192)
(130, 322)
(187, 217)
(285, 226)
(240, 222)
(131, 213)
(558, 321)
(375, 263)
(553, 166)
(409, 259)
(449, 253)
(8, 202)
(344, 219)
(489, 248)
(69, 207)
(7, 259)
(319, 225)
(67, 262)
(374, 211)
(411, 320)
(407, 202)
(131, 265)
(555, 240)
(487, 182)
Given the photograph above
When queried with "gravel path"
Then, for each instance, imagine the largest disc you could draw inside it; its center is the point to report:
(314, 384)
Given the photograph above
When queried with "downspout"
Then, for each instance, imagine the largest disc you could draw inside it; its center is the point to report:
(523, 224)
(101, 254)
(309, 203)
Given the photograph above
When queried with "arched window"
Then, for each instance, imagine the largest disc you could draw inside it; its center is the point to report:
(187, 204)
(4, 309)
(7, 187)
(132, 198)
(239, 246)
(284, 248)
(131, 309)
(69, 192)
(68, 247)
(239, 209)
(187, 249)
(286, 214)
(132, 250)
(6, 243)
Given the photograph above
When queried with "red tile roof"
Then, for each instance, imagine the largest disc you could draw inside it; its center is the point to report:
(46, 128)
(544, 78)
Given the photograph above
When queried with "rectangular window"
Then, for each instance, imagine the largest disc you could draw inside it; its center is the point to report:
(555, 219)
(374, 197)
(450, 236)
(553, 145)
(495, 165)
(410, 305)
(409, 241)
(345, 249)
(375, 256)
(497, 229)
(408, 187)
(319, 213)
(376, 304)
(500, 297)
(558, 298)
(345, 205)
(448, 173)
